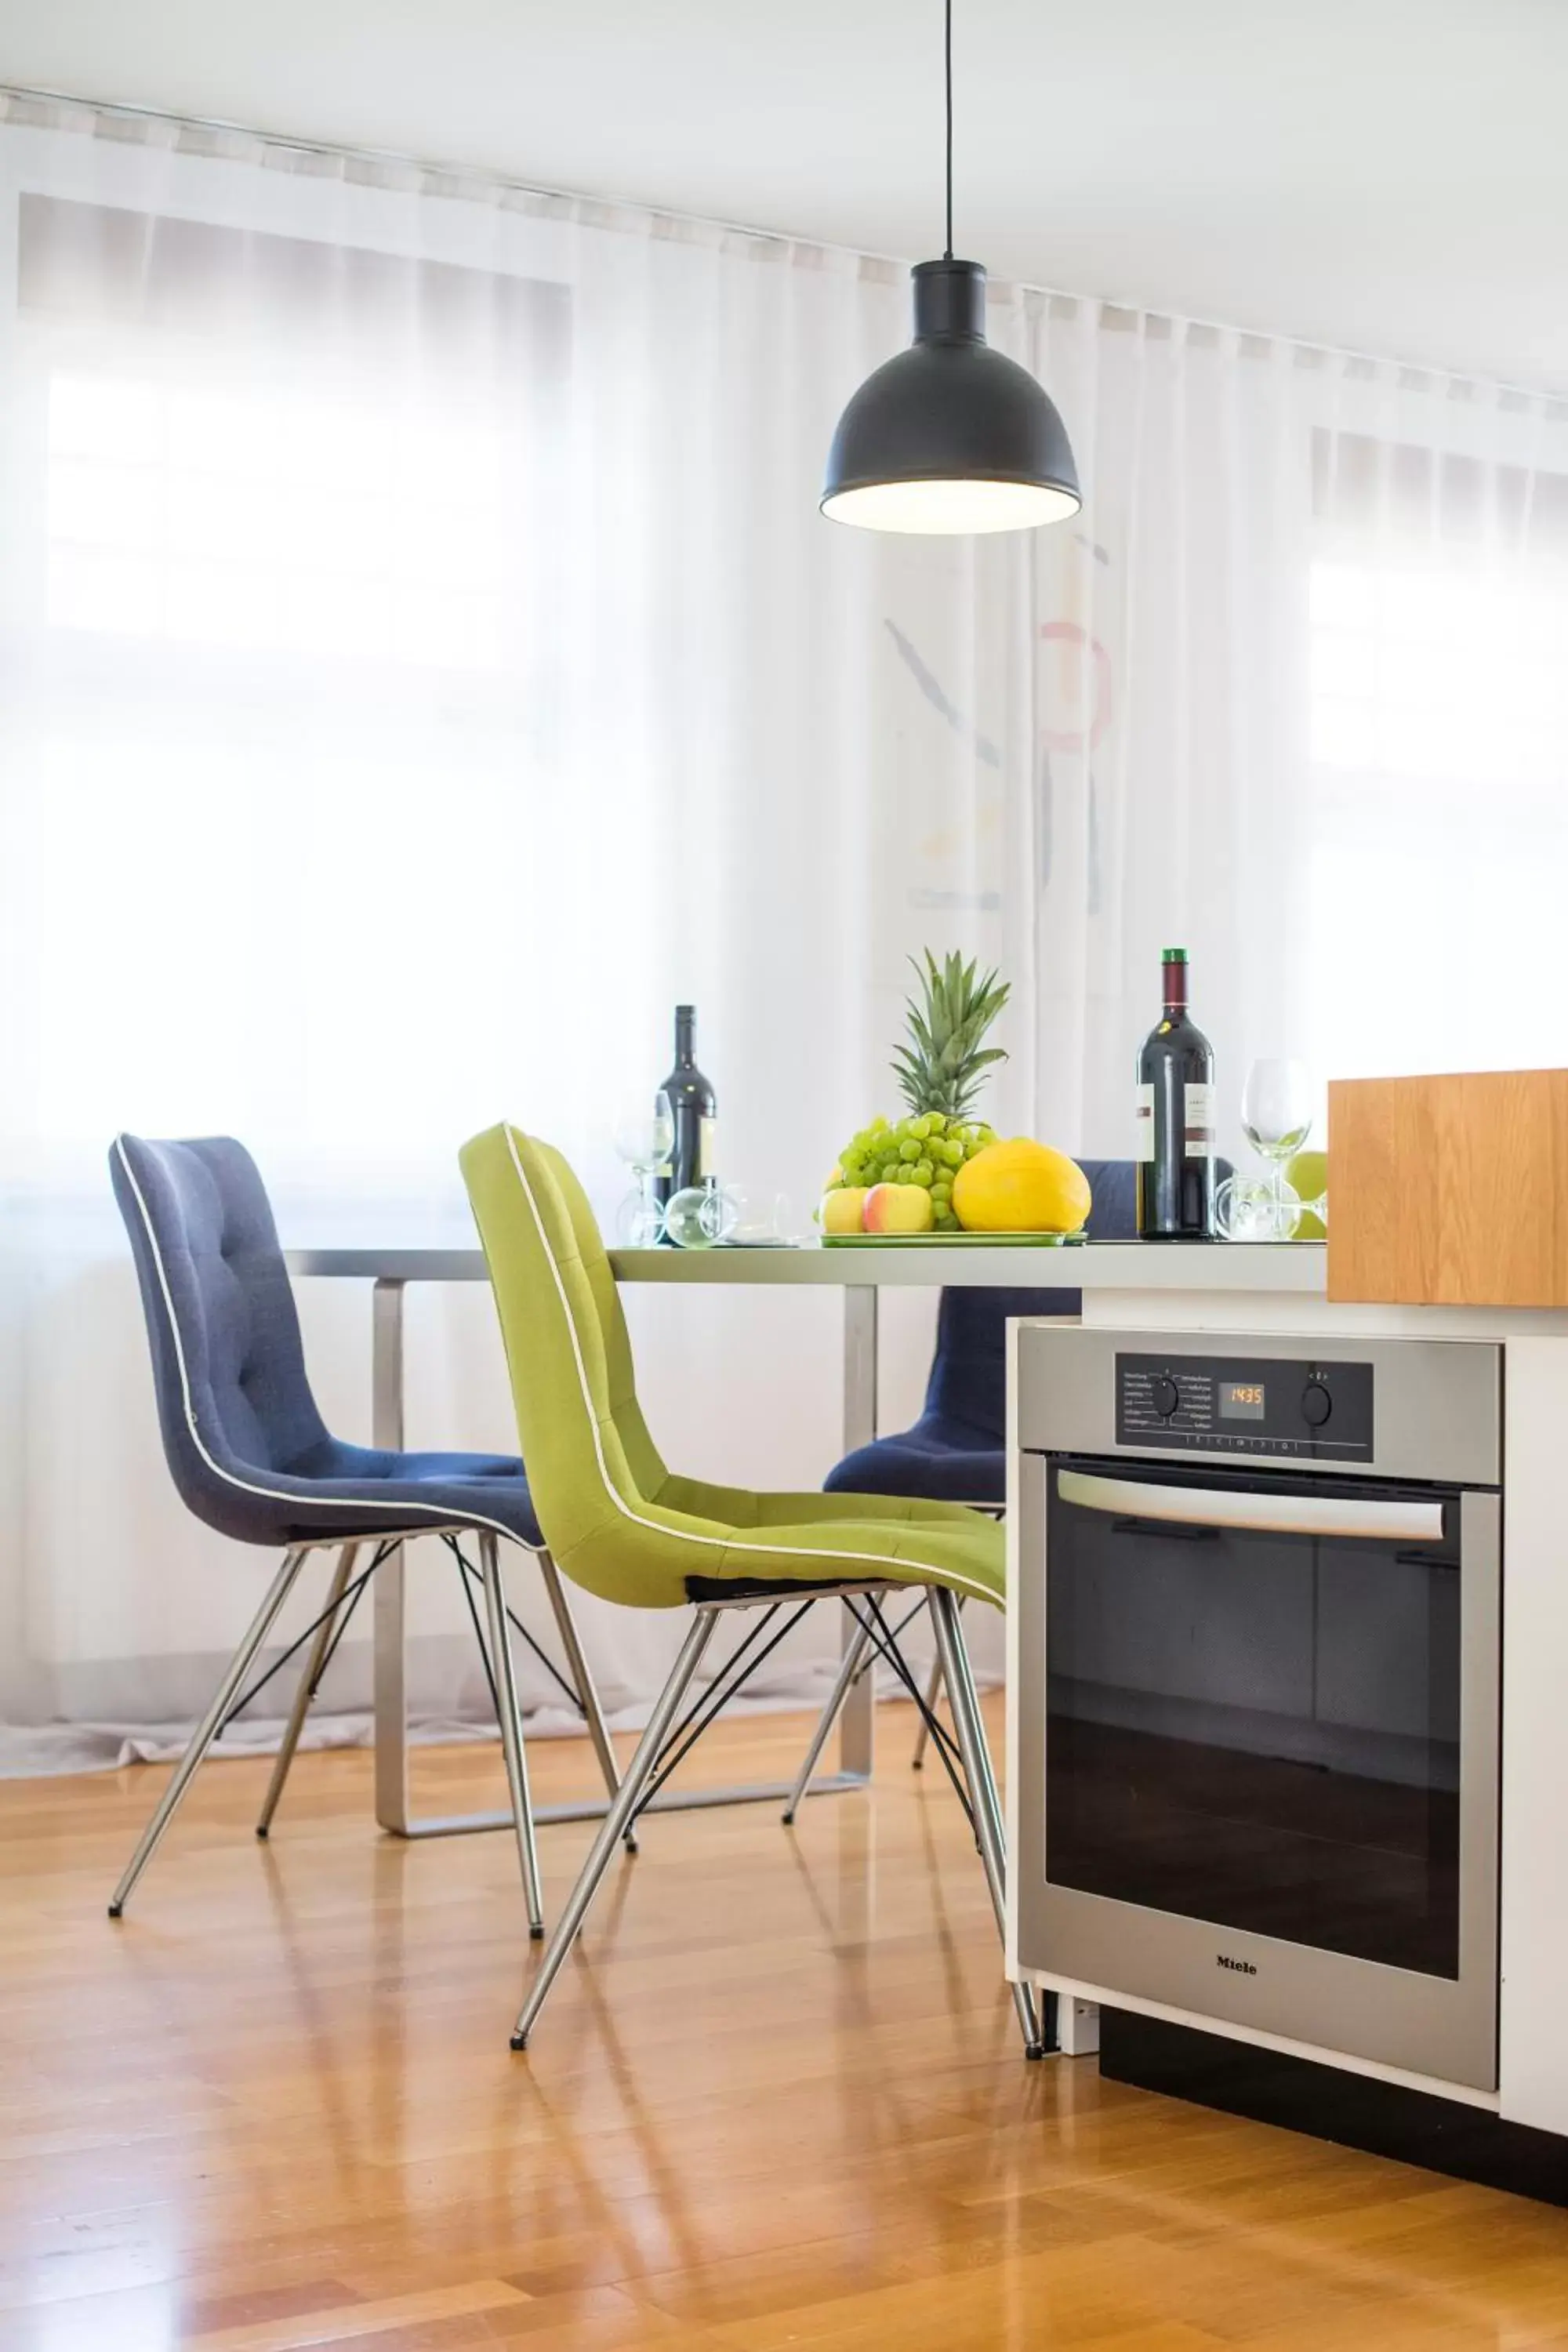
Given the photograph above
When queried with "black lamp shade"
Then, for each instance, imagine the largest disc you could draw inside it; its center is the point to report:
(949, 437)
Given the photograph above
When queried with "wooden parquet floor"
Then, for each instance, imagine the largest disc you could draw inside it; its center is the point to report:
(777, 2101)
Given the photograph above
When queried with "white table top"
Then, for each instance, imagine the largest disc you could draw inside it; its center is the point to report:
(1296, 1266)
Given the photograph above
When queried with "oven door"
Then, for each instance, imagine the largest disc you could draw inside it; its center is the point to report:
(1270, 1753)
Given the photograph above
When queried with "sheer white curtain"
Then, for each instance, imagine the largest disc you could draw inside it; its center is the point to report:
(423, 662)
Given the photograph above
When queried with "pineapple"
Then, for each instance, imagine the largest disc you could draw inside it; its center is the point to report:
(941, 1071)
(938, 1073)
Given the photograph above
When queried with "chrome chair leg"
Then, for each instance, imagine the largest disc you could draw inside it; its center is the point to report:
(637, 1774)
(922, 1736)
(306, 1692)
(577, 1666)
(511, 1731)
(953, 1652)
(848, 1675)
(261, 1626)
(933, 1693)
(848, 1667)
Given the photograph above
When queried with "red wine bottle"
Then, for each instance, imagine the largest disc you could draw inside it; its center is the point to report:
(696, 1110)
(1175, 1119)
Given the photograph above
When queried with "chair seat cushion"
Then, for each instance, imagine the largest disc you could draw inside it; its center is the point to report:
(967, 1554)
(940, 1460)
(404, 1490)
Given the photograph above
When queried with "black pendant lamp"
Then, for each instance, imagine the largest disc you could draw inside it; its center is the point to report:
(950, 436)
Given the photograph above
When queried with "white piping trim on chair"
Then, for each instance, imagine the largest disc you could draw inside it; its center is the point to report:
(444, 1516)
(682, 1535)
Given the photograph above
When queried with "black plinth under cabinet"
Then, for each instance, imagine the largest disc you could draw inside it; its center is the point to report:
(1329, 2103)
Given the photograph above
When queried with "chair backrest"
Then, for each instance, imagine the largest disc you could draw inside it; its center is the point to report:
(234, 1400)
(591, 1464)
(969, 1370)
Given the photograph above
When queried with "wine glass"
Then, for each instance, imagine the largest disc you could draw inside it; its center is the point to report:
(700, 1216)
(764, 1220)
(1250, 1209)
(1277, 1115)
(645, 1137)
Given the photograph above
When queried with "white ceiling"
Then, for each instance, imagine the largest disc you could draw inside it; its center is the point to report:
(1390, 174)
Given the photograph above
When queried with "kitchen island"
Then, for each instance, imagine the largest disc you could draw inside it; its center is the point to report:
(1248, 1310)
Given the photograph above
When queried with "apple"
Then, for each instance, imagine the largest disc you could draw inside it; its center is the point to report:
(899, 1209)
(841, 1209)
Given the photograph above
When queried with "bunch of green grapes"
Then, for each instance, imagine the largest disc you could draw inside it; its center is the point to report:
(924, 1149)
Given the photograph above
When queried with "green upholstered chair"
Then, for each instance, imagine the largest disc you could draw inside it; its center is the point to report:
(621, 1524)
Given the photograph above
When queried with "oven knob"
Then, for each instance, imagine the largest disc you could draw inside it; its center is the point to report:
(1316, 1405)
(1165, 1398)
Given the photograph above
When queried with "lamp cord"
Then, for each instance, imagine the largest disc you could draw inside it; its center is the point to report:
(947, 48)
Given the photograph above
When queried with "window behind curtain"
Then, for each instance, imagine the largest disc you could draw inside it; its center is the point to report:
(1438, 655)
(289, 706)
(288, 447)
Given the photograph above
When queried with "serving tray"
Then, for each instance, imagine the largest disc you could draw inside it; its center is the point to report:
(953, 1241)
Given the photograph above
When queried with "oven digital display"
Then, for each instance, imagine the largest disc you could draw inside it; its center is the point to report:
(1241, 1400)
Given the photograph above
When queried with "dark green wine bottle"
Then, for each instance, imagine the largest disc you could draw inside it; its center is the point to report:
(696, 1110)
(1176, 1143)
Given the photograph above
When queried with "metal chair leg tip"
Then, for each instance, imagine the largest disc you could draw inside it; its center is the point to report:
(536, 1931)
(117, 1910)
(1035, 2050)
(789, 1818)
(519, 2040)
(262, 1830)
(918, 1764)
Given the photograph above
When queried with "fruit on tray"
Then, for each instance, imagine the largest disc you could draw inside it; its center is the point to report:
(939, 1071)
(1021, 1187)
(843, 1209)
(922, 1155)
(898, 1208)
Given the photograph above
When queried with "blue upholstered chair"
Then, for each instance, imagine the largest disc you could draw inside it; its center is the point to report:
(956, 1452)
(250, 1456)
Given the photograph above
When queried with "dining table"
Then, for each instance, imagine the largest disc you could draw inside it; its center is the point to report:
(859, 1269)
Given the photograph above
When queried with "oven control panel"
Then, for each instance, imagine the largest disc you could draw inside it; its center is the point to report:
(1305, 1407)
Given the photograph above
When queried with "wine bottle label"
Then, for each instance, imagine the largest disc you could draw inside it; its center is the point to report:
(707, 1150)
(1199, 1123)
(1143, 1124)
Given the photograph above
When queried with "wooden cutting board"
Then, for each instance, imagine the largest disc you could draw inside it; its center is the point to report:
(1449, 1191)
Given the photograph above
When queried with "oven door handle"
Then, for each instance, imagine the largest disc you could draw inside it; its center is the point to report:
(1285, 1515)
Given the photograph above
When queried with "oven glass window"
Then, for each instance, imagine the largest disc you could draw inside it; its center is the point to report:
(1257, 1729)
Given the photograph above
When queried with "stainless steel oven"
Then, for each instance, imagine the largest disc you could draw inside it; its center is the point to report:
(1257, 1699)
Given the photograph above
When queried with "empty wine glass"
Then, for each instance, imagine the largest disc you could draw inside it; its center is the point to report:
(645, 1137)
(764, 1220)
(1251, 1209)
(700, 1215)
(1277, 1115)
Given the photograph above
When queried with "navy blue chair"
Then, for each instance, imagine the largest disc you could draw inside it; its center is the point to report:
(957, 1449)
(252, 1457)
(956, 1452)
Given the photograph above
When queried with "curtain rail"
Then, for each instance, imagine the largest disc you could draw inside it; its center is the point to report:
(470, 177)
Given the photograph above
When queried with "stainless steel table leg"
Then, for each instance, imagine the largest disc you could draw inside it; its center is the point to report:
(386, 1587)
(858, 1718)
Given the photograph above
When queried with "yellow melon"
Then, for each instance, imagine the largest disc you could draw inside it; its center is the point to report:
(1020, 1187)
